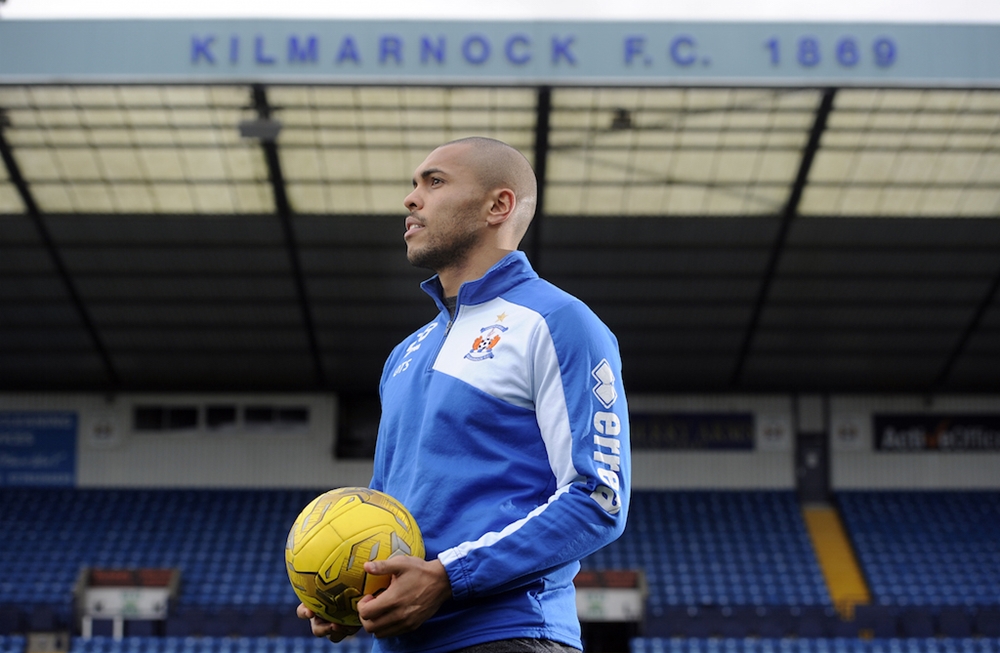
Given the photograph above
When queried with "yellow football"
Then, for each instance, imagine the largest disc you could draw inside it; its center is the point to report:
(332, 538)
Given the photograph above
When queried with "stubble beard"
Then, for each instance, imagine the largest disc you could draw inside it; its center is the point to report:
(447, 251)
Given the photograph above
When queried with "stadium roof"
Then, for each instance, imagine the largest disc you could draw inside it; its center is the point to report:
(735, 239)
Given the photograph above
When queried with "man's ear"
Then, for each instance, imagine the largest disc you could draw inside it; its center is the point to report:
(502, 206)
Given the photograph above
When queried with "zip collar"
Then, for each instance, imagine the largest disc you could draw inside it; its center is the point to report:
(511, 270)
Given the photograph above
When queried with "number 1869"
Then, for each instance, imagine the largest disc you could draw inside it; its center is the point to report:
(847, 52)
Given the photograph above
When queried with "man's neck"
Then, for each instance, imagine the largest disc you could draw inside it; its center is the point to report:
(453, 277)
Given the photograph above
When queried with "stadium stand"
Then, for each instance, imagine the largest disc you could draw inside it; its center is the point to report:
(217, 645)
(708, 555)
(13, 643)
(227, 544)
(927, 548)
(638, 645)
(719, 565)
(816, 645)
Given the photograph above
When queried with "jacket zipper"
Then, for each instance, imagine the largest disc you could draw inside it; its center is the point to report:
(447, 330)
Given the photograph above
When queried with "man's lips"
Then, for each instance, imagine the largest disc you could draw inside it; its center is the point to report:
(412, 226)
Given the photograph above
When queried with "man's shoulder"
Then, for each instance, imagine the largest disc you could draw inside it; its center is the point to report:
(550, 301)
(541, 296)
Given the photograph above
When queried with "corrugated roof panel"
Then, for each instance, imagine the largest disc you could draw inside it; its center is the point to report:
(695, 151)
(138, 149)
(10, 200)
(120, 163)
(389, 165)
(76, 164)
(161, 164)
(173, 198)
(901, 153)
(980, 202)
(14, 96)
(252, 198)
(134, 198)
(91, 198)
(308, 198)
(302, 163)
(52, 198)
(355, 150)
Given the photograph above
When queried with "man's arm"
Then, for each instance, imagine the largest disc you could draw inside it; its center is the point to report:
(583, 418)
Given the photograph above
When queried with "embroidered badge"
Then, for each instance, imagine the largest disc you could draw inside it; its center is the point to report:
(482, 346)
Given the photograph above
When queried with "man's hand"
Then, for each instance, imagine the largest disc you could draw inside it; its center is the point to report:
(322, 627)
(417, 590)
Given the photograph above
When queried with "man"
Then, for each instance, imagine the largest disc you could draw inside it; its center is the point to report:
(504, 427)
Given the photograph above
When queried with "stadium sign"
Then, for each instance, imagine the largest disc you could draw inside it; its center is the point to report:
(923, 432)
(37, 449)
(498, 52)
(732, 431)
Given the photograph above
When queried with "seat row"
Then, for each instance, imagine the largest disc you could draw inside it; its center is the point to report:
(815, 645)
(699, 547)
(636, 645)
(723, 548)
(823, 622)
(927, 548)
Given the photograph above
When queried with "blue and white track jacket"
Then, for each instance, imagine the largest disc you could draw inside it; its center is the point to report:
(505, 432)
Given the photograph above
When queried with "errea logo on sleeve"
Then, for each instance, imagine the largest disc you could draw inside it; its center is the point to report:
(605, 388)
(607, 446)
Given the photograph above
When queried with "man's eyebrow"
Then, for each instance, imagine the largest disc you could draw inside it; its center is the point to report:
(427, 173)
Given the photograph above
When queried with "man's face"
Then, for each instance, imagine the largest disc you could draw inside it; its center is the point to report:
(446, 208)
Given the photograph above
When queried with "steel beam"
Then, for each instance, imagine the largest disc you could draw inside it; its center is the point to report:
(787, 216)
(283, 208)
(970, 329)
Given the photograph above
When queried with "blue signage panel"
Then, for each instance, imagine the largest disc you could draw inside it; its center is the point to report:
(499, 52)
(37, 449)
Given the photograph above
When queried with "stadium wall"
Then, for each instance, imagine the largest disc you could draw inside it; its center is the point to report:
(857, 465)
(768, 465)
(110, 453)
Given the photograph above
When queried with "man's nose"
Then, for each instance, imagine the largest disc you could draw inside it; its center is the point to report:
(411, 201)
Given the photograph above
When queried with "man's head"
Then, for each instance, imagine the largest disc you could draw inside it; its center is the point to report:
(472, 200)
(498, 165)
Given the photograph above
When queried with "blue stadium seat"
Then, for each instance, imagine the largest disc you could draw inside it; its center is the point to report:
(813, 645)
(736, 551)
(216, 538)
(926, 548)
(718, 548)
(13, 643)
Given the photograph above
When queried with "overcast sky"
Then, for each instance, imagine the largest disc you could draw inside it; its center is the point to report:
(928, 11)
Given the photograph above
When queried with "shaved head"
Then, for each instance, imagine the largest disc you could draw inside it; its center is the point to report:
(498, 165)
